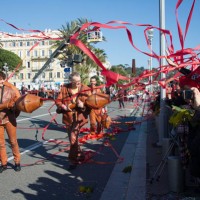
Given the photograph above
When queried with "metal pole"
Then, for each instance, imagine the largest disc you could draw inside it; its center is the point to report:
(162, 131)
(150, 38)
(151, 67)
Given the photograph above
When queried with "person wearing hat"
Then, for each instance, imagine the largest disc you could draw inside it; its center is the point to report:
(8, 97)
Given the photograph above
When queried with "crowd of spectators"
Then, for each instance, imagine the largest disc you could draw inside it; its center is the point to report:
(42, 92)
(185, 123)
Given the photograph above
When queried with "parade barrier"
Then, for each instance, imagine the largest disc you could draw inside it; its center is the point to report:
(29, 103)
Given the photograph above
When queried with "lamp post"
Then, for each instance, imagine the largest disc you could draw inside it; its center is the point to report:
(150, 38)
(5, 67)
(162, 131)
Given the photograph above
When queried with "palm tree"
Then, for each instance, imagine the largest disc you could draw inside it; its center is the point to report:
(87, 65)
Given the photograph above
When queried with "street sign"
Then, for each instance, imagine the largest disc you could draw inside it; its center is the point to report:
(66, 75)
(67, 69)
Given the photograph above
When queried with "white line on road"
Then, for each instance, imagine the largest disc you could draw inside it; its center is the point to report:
(34, 117)
(34, 146)
(40, 143)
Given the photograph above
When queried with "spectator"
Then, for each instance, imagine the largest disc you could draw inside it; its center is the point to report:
(23, 90)
(42, 93)
(120, 96)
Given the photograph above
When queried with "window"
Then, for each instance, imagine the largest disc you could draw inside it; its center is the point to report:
(35, 53)
(43, 43)
(28, 64)
(50, 75)
(14, 44)
(20, 44)
(28, 53)
(21, 76)
(29, 75)
(27, 43)
(50, 52)
(42, 53)
(14, 76)
(58, 74)
(43, 75)
(20, 54)
(35, 42)
(42, 63)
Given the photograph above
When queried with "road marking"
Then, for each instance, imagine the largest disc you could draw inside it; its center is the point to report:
(37, 145)
(34, 146)
(34, 117)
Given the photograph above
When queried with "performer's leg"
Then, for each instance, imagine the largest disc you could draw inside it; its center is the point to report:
(11, 131)
(92, 122)
(99, 127)
(68, 129)
(3, 154)
(73, 139)
(99, 122)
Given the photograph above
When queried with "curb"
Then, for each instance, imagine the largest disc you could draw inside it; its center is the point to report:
(129, 185)
(137, 183)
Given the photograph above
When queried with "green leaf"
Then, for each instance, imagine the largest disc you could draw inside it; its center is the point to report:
(127, 169)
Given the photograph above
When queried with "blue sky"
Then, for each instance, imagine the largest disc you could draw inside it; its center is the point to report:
(42, 14)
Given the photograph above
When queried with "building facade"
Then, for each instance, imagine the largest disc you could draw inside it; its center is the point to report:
(33, 59)
(35, 52)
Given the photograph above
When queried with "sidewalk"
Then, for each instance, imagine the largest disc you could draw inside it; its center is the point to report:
(159, 190)
(130, 186)
(144, 158)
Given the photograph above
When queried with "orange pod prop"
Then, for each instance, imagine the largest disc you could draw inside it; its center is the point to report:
(29, 103)
(98, 100)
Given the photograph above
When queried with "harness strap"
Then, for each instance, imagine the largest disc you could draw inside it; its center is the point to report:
(2, 91)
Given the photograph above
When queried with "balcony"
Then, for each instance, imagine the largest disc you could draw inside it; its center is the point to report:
(34, 69)
(34, 58)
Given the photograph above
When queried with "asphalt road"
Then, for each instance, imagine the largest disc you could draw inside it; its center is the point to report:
(44, 173)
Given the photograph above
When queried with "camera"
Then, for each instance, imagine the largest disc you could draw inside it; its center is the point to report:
(188, 94)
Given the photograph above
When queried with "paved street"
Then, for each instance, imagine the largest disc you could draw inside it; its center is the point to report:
(44, 172)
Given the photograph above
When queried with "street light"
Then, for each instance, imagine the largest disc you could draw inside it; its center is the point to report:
(163, 125)
(150, 38)
(5, 67)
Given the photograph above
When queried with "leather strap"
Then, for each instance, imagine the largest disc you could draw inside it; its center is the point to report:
(2, 91)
